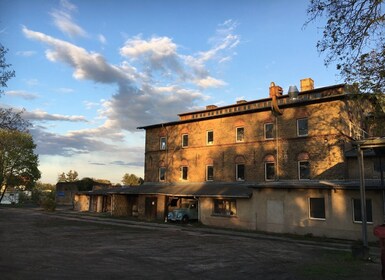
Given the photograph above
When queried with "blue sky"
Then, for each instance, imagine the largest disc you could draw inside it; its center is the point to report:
(88, 73)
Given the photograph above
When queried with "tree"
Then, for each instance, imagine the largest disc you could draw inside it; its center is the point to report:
(5, 74)
(8, 118)
(354, 38)
(71, 176)
(131, 180)
(11, 120)
(18, 162)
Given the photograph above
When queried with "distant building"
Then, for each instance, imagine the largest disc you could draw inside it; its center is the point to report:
(284, 164)
(65, 191)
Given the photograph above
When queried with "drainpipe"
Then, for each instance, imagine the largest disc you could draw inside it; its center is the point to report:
(360, 156)
(276, 144)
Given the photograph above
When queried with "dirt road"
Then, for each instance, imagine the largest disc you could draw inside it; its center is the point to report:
(38, 245)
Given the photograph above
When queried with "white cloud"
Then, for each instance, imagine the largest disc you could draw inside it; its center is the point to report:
(22, 94)
(26, 53)
(91, 66)
(102, 39)
(39, 115)
(63, 20)
(210, 82)
(157, 47)
(65, 90)
(154, 84)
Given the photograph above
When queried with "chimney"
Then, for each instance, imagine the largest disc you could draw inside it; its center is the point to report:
(241, 101)
(307, 84)
(210, 107)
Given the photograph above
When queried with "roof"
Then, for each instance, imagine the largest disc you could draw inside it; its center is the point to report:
(310, 96)
(233, 190)
(321, 184)
(220, 190)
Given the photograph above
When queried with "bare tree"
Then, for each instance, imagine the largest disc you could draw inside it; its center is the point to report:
(353, 38)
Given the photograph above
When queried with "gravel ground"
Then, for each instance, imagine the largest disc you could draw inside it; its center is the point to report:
(40, 245)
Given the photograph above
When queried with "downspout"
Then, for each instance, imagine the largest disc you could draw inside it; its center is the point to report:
(360, 156)
(274, 92)
(276, 144)
(382, 187)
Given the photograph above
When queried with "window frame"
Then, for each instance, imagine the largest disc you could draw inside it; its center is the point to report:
(162, 170)
(185, 140)
(240, 137)
(299, 170)
(312, 211)
(207, 137)
(237, 178)
(224, 207)
(369, 204)
(272, 131)
(182, 173)
(162, 140)
(299, 133)
(207, 172)
(266, 178)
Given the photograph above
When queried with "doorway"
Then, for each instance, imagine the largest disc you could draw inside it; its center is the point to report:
(151, 208)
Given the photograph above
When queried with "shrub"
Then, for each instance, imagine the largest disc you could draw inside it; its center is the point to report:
(48, 204)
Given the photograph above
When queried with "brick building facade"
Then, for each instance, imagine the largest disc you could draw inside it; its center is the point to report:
(285, 164)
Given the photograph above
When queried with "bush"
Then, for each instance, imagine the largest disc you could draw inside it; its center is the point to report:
(48, 204)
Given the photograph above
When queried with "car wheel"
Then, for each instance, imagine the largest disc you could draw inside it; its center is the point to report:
(185, 219)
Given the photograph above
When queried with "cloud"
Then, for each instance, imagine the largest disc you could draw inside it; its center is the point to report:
(63, 20)
(154, 76)
(39, 115)
(122, 163)
(86, 65)
(22, 94)
(65, 90)
(210, 82)
(26, 53)
(102, 39)
(83, 142)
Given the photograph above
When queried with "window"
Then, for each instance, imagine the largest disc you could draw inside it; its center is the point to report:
(225, 207)
(302, 127)
(240, 134)
(317, 208)
(269, 130)
(184, 172)
(162, 173)
(303, 170)
(240, 172)
(269, 171)
(184, 140)
(210, 137)
(209, 173)
(163, 143)
(357, 218)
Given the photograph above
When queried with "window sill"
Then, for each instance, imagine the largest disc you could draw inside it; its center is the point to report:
(224, 216)
(317, 219)
(360, 222)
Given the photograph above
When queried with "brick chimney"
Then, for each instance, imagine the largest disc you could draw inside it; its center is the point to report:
(307, 84)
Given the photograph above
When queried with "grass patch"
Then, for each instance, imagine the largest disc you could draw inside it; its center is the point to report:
(335, 265)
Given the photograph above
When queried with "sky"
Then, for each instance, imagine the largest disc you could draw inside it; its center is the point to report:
(90, 72)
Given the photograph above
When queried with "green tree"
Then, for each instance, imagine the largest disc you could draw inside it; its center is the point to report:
(70, 176)
(131, 180)
(18, 162)
(354, 39)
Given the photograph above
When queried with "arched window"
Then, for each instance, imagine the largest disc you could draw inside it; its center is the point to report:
(240, 168)
(303, 166)
(269, 162)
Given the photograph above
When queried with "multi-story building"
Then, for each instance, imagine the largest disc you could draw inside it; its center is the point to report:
(286, 163)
